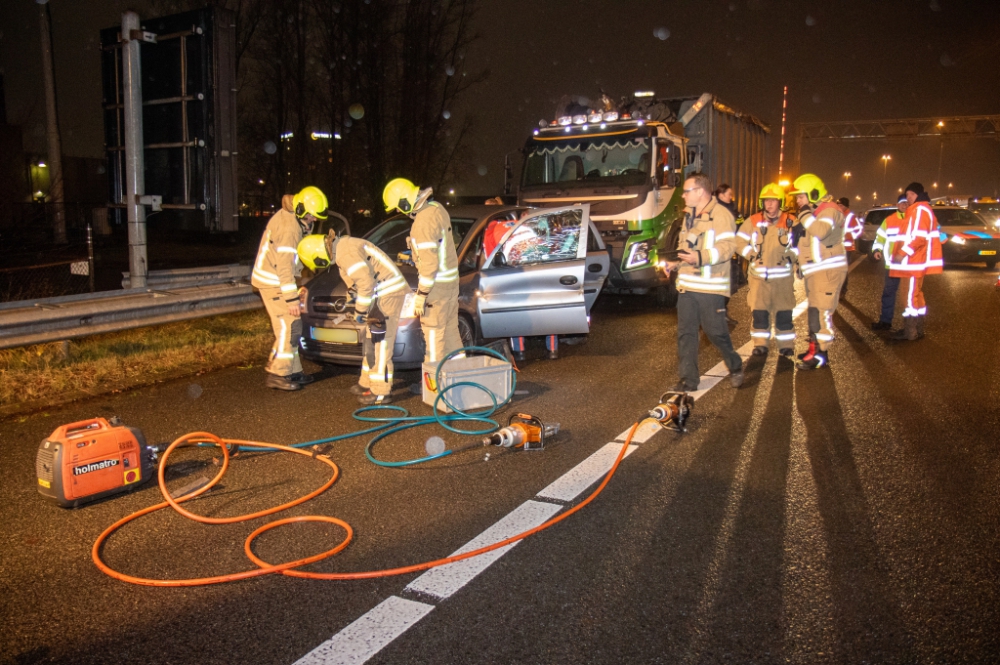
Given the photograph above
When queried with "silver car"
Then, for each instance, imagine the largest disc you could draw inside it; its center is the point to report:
(522, 272)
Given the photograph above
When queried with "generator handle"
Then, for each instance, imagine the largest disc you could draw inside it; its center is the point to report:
(90, 425)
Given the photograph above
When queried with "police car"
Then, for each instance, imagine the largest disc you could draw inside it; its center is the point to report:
(966, 237)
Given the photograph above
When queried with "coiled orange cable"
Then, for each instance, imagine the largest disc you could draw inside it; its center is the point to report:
(288, 568)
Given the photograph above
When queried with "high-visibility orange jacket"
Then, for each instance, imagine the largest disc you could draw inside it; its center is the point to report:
(918, 251)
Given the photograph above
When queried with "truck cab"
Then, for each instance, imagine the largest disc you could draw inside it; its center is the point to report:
(630, 172)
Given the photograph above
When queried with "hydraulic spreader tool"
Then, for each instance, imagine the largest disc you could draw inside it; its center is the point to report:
(91, 459)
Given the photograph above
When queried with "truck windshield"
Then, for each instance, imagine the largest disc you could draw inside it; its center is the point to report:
(598, 161)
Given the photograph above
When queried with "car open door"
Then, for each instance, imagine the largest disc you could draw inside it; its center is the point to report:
(533, 281)
(598, 265)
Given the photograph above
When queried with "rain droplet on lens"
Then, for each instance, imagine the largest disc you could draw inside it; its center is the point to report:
(935, 7)
(661, 33)
(356, 111)
(449, 70)
(946, 60)
(446, 115)
(434, 445)
(482, 170)
(816, 99)
(810, 21)
(194, 391)
(270, 148)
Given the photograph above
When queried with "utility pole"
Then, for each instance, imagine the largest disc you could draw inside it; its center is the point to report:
(56, 192)
(135, 178)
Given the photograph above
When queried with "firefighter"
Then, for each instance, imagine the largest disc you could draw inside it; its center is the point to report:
(705, 244)
(822, 262)
(432, 245)
(380, 293)
(885, 241)
(852, 231)
(275, 273)
(765, 240)
(916, 254)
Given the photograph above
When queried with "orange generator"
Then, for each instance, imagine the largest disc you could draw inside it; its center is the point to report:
(93, 459)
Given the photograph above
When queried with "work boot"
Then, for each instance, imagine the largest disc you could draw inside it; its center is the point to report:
(815, 361)
(920, 326)
(882, 325)
(787, 352)
(908, 333)
(553, 355)
(371, 399)
(358, 389)
(759, 351)
(682, 387)
(519, 356)
(302, 378)
(282, 382)
(808, 352)
(736, 378)
(417, 388)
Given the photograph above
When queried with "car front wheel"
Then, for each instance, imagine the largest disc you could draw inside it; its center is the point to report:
(467, 331)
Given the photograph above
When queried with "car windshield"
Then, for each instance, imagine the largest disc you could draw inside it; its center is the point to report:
(958, 217)
(390, 236)
(878, 216)
(596, 161)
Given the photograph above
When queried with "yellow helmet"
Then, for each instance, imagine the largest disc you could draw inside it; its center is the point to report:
(312, 201)
(772, 190)
(400, 193)
(313, 252)
(811, 186)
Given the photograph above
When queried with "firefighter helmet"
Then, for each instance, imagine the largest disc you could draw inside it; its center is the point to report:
(400, 193)
(310, 201)
(811, 186)
(772, 190)
(314, 252)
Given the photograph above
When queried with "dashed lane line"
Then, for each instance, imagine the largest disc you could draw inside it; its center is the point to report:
(362, 639)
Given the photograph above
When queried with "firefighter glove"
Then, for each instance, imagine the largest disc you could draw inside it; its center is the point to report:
(418, 303)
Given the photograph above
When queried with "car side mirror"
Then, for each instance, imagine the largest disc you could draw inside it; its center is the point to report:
(499, 261)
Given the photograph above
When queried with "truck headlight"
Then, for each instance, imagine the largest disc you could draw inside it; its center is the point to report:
(638, 254)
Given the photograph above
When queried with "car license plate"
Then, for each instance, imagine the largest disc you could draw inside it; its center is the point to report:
(335, 335)
(987, 252)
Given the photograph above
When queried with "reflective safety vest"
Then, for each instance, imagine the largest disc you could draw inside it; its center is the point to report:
(822, 246)
(712, 235)
(766, 244)
(433, 247)
(852, 230)
(887, 236)
(368, 270)
(277, 264)
(918, 251)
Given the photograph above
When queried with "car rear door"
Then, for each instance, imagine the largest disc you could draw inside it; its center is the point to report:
(533, 282)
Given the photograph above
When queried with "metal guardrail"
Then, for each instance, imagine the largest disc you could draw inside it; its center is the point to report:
(190, 276)
(67, 317)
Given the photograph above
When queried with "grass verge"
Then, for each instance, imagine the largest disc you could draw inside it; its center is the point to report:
(39, 376)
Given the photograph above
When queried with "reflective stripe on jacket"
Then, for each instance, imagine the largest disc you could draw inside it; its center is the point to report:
(712, 235)
(277, 264)
(918, 251)
(887, 236)
(852, 230)
(766, 244)
(433, 247)
(368, 270)
(822, 246)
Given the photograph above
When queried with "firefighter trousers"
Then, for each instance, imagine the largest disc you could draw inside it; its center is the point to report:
(440, 325)
(706, 311)
(915, 303)
(823, 293)
(284, 358)
(377, 375)
(772, 299)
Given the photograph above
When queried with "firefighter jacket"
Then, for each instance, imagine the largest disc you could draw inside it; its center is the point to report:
(822, 245)
(852, 230)
(433, 248)
(277, 264)
(367, 270)
(712, 235)
(767, 245)
(888, 235)
(918, 251)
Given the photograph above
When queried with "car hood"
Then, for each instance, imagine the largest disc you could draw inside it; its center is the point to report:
(968, 233)
(329, 284)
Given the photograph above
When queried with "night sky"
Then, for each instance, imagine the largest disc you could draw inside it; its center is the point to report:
(843, 60)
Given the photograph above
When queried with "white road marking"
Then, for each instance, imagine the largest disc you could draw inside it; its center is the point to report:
(361, 640)
(443, 581)
(572, 483)
(364, 638)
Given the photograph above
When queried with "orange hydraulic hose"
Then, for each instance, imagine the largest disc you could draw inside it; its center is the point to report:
(265, 568)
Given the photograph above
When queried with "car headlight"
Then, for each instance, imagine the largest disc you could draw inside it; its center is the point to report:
(638, 254)
(957, 240)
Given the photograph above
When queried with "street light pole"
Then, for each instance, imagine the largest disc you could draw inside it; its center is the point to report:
(885, 169)
(56, 189)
